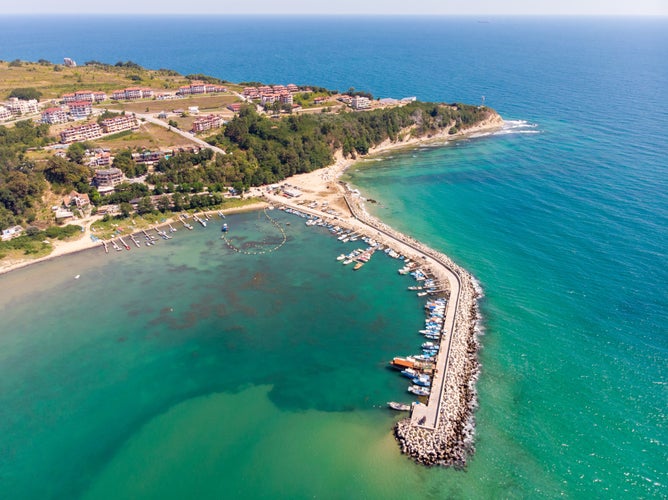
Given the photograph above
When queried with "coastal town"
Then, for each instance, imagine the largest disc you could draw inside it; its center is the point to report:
(440, 428)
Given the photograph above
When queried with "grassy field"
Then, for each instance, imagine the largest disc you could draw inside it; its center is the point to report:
(148, 136)
(52, 84)
(211, 103)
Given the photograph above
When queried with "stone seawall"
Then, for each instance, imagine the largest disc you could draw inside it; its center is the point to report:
(444, 434)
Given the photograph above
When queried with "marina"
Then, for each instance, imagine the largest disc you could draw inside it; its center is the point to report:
(439, 431)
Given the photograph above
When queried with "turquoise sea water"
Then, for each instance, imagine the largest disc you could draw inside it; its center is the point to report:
(190, 370)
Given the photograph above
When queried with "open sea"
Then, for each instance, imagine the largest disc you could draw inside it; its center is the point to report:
(189, 370)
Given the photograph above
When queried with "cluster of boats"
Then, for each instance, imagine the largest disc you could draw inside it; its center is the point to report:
(359, 256)
(150, 239)
(419, 368)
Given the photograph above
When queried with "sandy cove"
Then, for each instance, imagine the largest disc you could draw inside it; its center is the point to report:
(321, 185)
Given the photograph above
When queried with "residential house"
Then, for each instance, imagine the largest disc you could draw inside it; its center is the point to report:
(54, 115)
(78, 199)
(20, 107)
(360, 102)
(80, 109)
(119, 124)
(5, 114)
(84, 95)
(11, 232)
(81, 133)
(207, 123)
(108, 177)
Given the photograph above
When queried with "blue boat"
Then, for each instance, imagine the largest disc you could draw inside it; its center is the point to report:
(225, 227)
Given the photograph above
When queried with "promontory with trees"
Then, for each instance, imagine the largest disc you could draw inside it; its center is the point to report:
(261, 149)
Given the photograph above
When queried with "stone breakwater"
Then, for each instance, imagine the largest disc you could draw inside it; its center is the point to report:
(444, 432)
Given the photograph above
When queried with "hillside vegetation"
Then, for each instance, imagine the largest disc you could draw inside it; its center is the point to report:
(263, 149)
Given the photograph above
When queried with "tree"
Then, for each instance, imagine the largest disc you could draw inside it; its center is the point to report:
(60, 171)
(125, 208)
(173, 124)
(25, 94)
(163, 204)
(145, 206)
(125, 163)
(76, 152)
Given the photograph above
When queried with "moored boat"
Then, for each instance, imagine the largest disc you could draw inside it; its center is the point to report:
(398, 406)
(419, 391)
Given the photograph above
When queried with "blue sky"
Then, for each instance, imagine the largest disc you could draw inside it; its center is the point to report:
(396, 7)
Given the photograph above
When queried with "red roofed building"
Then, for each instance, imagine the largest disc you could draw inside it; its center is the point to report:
(80, 109)
(119, 124)
(133, 93)
(207, 123)
(54, 115)
(84, 95)
(81, 133)
(78, 199)
(197, 87)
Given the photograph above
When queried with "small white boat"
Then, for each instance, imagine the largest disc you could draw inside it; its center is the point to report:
(398, 406)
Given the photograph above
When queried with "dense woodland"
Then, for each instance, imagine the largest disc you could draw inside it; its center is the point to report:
(263, 150)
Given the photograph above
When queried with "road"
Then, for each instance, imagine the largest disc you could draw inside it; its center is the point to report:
(151, 119)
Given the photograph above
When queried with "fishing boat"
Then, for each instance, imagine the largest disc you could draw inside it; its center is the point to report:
(422, 380)
(401, 363)
(410, 373)
(398, 406)
(419, 391)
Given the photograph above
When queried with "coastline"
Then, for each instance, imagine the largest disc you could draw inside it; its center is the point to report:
(441, 432)
(316, 183)
(61, 248)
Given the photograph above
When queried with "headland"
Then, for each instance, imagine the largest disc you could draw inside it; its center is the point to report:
(441, 431)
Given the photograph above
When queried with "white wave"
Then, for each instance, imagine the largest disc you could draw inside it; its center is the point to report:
(514, 131)
(518, 127)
